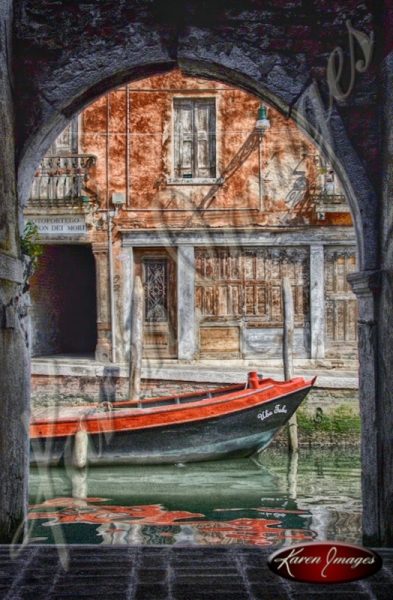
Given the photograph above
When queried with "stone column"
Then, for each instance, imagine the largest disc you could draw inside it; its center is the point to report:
(127, 262)
(104, 344)
(14, 354)
(384, 412)
(317, 301)
(186, 324)
(384, 408)
(366, 286)
(14, 404)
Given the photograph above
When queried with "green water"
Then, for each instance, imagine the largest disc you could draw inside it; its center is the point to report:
(275, 501)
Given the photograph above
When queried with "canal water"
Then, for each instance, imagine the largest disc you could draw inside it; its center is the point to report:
(276, 500)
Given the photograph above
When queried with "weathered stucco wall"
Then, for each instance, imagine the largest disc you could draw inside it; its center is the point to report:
(131, 132)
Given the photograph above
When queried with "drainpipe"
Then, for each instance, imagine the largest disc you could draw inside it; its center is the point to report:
(111, 214)
(260, 172)
(261, 126)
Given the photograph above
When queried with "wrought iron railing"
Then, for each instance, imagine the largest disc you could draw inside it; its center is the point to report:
(61, 180)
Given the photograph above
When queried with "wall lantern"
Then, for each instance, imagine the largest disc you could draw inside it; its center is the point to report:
(262, 123)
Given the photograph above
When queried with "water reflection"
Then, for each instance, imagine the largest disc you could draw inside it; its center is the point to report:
(283, 501)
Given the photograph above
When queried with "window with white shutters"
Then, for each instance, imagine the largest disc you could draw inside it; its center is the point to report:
(195, 138)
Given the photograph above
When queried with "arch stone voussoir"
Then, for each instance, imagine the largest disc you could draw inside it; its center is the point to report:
(279, 78)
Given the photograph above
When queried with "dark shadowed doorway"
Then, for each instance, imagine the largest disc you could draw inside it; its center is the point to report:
(63, 301)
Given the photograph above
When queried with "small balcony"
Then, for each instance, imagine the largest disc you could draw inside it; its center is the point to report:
(61, 181)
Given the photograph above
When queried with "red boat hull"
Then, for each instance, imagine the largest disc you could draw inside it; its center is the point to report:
(234, 422)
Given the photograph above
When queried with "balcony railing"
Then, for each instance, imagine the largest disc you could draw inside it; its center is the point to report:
(61, 181)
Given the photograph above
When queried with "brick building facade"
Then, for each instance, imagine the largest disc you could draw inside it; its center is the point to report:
(181, 181)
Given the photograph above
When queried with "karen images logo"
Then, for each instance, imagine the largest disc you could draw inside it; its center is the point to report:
(325, 562)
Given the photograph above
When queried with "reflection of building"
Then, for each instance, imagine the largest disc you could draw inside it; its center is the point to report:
(211, 212)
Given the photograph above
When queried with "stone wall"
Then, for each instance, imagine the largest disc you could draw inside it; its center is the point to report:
(63, 390)
(68, 391)
(14, 370)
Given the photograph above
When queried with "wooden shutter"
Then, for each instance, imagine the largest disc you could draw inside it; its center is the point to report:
(184, 138)
(205, 138)
(195, 138)
(232, 283)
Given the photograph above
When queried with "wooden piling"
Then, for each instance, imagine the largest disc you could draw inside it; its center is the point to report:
(292, 475)
(136, 347)
(288, 334)
(79, 456)
(79, 485)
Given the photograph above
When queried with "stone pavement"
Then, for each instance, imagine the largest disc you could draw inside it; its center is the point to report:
(172, 573)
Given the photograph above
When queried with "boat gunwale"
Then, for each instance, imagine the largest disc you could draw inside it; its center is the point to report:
(222, 390)
(234, 387)
(87, 411)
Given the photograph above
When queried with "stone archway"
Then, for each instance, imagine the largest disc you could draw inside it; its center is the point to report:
(82, 70)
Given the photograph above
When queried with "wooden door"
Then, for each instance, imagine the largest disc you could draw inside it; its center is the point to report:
(341, 313)
(157, 268)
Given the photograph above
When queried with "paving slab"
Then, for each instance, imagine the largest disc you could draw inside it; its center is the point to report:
(182, 573)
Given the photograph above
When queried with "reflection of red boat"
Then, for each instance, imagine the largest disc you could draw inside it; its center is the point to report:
(232, 421)
(154, 524)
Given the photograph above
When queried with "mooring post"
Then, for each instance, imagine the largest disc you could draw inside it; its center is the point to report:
(136, 346)
(80, 450)
(288, 354)
(292, 475)
(79, 485)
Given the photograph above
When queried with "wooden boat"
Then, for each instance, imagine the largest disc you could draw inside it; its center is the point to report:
(232, 421)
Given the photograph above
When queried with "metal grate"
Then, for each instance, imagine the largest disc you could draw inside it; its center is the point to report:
(156, 290)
